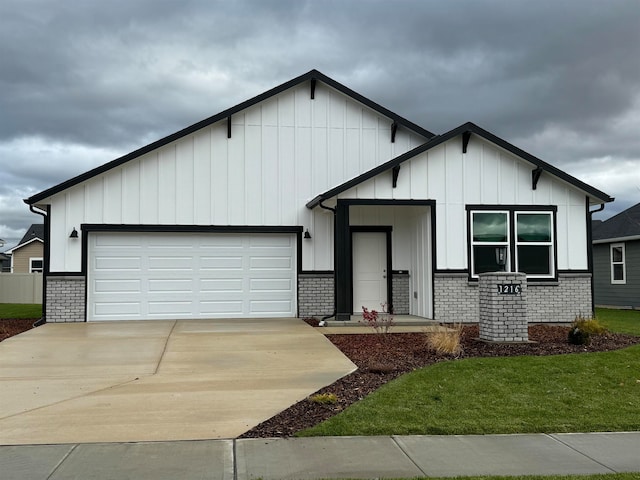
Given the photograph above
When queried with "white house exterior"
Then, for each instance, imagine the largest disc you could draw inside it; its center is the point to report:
(313, 200)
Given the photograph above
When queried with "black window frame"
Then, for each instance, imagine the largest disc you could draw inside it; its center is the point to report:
(512, 258)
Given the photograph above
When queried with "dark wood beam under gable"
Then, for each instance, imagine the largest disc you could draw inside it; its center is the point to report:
(465, 140)
(535, 176)
(394, 129)
(229, 126)
(313, 88)
(395, 171)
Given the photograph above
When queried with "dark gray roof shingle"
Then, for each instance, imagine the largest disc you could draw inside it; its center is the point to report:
(624, 224)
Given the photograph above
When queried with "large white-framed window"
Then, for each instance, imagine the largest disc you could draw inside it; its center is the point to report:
(490, 241)
(513, 239)
(36, 265)
(534, 243)
(618, 269)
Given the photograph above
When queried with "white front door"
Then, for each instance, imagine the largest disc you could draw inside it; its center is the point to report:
(369, 270)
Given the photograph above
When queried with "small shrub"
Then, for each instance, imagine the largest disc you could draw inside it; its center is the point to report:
(446, 341)
(380, 322)
(324, 398)
(583, 328)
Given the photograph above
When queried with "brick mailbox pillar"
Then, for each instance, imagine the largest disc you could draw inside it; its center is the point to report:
(503, 307)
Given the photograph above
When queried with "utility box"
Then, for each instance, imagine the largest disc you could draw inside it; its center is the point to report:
(503, 307)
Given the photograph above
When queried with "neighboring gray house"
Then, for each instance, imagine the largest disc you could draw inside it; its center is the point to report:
(311, 199)
(616, 260)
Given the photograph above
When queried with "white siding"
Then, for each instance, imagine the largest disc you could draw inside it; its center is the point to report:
(283, 152)
(486, 174)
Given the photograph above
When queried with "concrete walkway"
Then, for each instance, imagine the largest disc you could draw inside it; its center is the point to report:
(157, 380)
(328, 457)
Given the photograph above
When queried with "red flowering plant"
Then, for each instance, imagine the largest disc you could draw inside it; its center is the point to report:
(381, 322)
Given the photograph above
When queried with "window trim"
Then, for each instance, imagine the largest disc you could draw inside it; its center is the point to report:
(36, 259)
(512, 246)
(622, 262)
(508, 260)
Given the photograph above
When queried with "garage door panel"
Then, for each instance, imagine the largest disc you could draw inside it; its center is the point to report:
(184, 285)
(224, 285)
(117, 286)
(117, 263)
(119, 309)
(221, 263)
(190, 275)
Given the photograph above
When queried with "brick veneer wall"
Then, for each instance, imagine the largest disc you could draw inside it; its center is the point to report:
(315, 294)
(457, 300)
(503, 316)
(400, 293)
(65, 299)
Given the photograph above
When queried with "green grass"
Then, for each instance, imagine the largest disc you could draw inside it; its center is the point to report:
(563, 393)
(603, 476)
(20, 310)
(623, 321)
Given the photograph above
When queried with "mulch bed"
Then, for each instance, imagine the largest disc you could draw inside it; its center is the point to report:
(381, 358)
(13, 326)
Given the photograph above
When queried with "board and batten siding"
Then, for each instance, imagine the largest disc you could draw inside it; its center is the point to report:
(619, 295)
(282, 152)
(489, 175)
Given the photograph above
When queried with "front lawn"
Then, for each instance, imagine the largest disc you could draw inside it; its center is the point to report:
(528, 394)
(20, 310)
(623, 321)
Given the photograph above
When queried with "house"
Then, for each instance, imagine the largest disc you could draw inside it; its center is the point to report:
(28, 255)
(311, 199)
(616, 260)
(5, 263)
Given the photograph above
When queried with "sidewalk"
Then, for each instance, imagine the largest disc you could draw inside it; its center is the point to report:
(328, 457)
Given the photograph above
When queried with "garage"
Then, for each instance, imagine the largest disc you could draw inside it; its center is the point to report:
(163, 275)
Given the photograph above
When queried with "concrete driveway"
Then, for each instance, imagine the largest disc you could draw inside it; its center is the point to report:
(157, 380)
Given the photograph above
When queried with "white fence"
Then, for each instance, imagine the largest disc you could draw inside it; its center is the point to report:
(20, 288)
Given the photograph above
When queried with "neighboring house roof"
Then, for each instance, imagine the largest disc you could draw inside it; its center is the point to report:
(623, 226)
(313, 76)
(466, 130)
(35, 233)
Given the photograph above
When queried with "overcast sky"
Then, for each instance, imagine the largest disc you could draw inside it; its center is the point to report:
(84, 82)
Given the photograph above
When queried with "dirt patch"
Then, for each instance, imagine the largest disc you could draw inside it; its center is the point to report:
(13, 326)
(381, 358)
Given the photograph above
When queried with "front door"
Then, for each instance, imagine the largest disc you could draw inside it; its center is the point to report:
(369, 270)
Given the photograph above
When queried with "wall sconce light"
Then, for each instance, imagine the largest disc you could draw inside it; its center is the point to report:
(74, 233)
(307, 235)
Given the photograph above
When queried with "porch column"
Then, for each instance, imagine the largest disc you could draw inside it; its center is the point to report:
(342, 263)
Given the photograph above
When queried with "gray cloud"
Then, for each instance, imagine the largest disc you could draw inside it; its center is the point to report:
(84, 82)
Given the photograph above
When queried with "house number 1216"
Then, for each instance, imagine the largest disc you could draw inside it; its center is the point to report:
(508, 289)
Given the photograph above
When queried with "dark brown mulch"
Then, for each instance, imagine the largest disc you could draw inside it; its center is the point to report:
(13, 326)
(381, 358)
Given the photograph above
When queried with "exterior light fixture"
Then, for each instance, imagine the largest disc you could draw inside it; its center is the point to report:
(307, 235)
(74, 233)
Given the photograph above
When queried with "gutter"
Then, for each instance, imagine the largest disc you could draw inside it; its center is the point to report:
(335, 283)
(45, 267)
(590, 254)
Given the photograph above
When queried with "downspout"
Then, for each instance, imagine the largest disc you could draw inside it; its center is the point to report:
(335, 283)
(590, 255)
(45, 266)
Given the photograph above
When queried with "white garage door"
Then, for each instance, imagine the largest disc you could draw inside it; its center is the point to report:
(190, 275)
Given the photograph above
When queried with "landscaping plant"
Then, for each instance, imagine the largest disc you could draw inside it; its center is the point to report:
(446, 341)
(381, 322)
(583, 328)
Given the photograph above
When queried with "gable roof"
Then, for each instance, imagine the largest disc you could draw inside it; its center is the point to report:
(624, 225)
(35, 233)
(313, 76)
(466, 129)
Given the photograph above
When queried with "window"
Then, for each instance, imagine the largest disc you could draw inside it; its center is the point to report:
(35, 265)
(618, 271)
(490, 241)
(512, 241)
